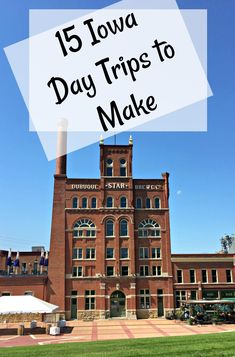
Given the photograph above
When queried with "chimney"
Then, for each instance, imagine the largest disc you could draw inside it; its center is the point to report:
(61, 148)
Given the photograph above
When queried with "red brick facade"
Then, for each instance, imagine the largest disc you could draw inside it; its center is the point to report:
(110, 251)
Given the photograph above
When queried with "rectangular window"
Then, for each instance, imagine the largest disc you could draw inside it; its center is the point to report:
(125, 270)
(144, 270)
(180, 297)
(193, 295)
(90, 253)
(77, 271)
(5, 293)
(143, 253)
(159, 270)
(83, 233)
(192, 275)
(156, 270)
(156, 253)
(28, 293)
(214, 275)
(109, 171)
(74, 292)
(228, 276)
(124, 253)
(122, 171)
(204, 276)
(89, 300)
(77, 253)
(110, 271)
(109, 253)
(144, 299)
(179, 276)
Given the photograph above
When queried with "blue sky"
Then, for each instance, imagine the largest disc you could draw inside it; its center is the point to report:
(201, 165)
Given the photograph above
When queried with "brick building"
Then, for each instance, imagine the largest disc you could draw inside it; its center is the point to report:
(110, 251)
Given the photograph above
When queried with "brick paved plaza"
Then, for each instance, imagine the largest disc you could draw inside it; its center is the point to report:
(107, 330)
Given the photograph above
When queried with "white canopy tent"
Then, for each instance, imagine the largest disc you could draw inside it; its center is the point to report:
(24, 304)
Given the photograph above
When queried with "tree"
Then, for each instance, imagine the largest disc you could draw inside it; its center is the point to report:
(226, 242)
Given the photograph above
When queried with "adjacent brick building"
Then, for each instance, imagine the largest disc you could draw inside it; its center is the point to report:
(110, 250)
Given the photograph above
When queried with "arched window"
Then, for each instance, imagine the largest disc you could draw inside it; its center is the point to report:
(109, 201)
(122, 167)
(147, 202)
(109, 167)
(123, 202)
(93, 202)
(157, 202)
(148, 228)
(75, 202)
(84, 202)
(123, 228)
(109, 228)
(138, 203)
(84, 228)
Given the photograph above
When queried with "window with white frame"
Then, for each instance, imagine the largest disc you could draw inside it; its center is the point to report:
(143, 253)
(144, 299)
(84, 228)
(110, 271)
(180, 296)
(147, 203)
(156, 253)
(77, 271)
(77, 253)
(156, 270)
(125, 270)
(204, 276)
(124, 253)
(123, 166)
(75, 202)
(148, 228)
(179, 276)
(157, 202)
(228, 276)
(90, 253)
(123, 202)
(214, 276)
(93, 202)
(109, 202)
(192, 276)
(89, 299)
(109, 167)
(123, 228)
(138, 202)
(109, 253)
(84, 202)
(109, 228)
(144, 270)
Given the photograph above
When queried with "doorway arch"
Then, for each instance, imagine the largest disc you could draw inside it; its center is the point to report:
(117, 304)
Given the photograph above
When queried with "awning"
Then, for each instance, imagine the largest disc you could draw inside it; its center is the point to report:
(229, 299)
(24, 304)
(224, 301)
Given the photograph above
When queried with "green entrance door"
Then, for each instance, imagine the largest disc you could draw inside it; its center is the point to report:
(160, 306)
(73, 308)
(117, 304)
